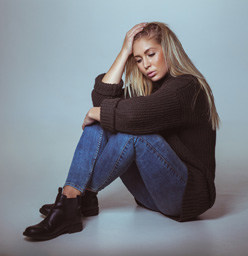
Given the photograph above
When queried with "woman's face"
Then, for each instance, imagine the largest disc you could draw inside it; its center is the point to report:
(149, 57)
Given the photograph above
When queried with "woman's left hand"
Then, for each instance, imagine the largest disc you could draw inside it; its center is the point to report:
(91, 117)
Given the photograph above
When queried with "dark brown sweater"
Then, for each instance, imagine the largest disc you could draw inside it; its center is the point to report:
(174, 112)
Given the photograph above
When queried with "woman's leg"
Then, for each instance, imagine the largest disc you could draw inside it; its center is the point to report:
(101, 157)
(90, 146)
(65, 214)
(162, 176)
(136, 186)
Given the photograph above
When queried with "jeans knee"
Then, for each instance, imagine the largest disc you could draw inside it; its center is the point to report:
(94, 126)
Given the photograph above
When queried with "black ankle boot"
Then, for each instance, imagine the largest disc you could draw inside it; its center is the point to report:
(89, 205)
(64, 217)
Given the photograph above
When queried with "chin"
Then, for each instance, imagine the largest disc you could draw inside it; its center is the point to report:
(158, 77)
(155, 78)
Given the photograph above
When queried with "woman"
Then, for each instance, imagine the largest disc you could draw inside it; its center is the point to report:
(157, 134)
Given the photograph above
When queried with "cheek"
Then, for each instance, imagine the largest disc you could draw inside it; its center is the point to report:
(162, 63)
(160, 60)
(140, 67)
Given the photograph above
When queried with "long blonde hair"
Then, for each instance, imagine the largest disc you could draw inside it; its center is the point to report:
(178, 62)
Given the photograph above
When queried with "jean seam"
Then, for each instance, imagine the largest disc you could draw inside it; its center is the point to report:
(106, 181)
(162, 158)
(84, 186)
(94, 159)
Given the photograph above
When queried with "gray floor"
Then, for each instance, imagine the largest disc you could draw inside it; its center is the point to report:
(122, 228)
(50, 53)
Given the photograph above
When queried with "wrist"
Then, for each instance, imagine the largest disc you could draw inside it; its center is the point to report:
(94, 113)
(124, 54)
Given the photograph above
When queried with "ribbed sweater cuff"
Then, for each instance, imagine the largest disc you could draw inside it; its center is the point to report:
(107, 114)
(107, 89)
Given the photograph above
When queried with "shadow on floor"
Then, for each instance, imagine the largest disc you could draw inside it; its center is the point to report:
(225, 204)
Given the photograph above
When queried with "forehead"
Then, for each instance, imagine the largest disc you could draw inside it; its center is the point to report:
(143, 44)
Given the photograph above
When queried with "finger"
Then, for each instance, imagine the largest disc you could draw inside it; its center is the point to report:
(142, 24)
(135, 32)
(84, 124)
(137, 27)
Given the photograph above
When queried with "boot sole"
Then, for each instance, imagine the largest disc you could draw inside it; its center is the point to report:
(90, 213)
(86, 213)
(66, 230)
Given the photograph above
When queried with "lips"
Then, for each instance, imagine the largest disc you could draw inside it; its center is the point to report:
(151, 74)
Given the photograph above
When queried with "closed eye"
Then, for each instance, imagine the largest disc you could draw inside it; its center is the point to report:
(139, 60)
(152, 54)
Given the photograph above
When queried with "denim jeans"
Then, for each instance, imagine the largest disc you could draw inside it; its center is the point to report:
(147, 165)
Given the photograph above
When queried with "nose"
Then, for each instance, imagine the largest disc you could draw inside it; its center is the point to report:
(146, 63)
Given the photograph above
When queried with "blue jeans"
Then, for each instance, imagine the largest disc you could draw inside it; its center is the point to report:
(147, 165)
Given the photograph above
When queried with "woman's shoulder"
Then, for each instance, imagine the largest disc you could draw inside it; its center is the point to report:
(180, 82)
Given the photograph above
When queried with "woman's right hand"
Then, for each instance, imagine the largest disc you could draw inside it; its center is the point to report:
(114, 75)
(127, 46)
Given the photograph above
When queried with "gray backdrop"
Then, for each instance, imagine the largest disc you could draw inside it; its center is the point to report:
(52, 50)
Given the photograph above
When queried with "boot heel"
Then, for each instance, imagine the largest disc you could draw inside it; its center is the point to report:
(75, 228)
(90, 213)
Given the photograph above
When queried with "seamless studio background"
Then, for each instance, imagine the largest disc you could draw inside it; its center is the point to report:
(50, 53)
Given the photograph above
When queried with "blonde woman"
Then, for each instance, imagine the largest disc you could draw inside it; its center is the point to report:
(157, 134)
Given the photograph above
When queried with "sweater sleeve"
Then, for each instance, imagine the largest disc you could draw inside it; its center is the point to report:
(103, 91)
(142, 115)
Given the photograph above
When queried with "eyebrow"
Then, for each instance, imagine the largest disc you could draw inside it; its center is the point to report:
(145, 51)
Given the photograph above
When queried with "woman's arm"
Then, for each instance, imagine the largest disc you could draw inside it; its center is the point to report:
(103, 91)
(114, 75)
(91, 117)
(166, 109)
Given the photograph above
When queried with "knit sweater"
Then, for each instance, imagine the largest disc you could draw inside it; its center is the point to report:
(178, 110)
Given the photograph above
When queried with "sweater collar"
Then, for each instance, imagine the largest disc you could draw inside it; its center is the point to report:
(159, 83)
